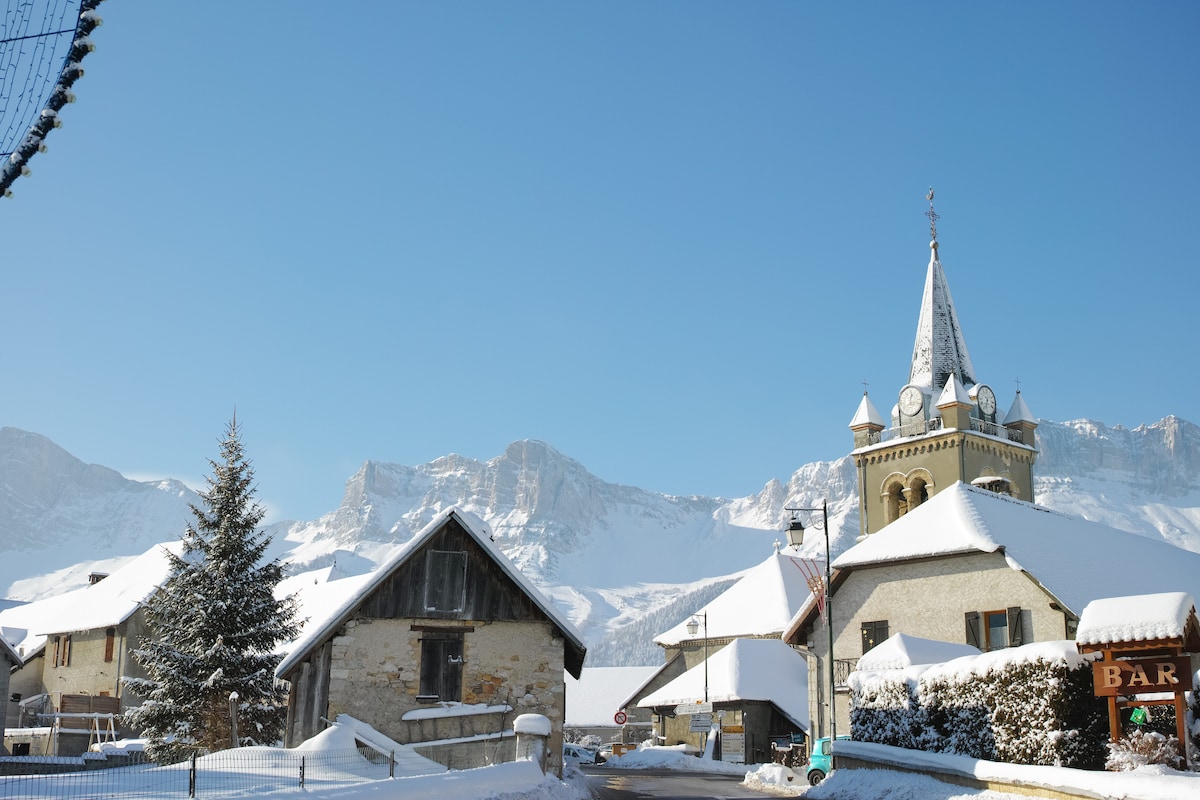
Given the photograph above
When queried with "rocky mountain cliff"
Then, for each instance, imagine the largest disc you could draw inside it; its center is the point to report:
(617, 557)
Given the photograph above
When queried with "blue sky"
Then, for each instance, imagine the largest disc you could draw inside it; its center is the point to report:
(671, 239)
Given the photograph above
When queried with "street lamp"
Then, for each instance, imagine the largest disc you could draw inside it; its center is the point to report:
(692, 626)
(795, 534)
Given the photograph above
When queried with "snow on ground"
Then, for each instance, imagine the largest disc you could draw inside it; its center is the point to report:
(523, 780)
(674, 757)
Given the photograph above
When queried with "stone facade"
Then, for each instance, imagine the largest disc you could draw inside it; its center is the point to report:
(932, 462)
(374, 675)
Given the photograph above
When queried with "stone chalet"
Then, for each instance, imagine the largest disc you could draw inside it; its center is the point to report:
(447, 640)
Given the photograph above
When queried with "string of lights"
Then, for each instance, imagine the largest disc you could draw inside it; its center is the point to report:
(42, 47)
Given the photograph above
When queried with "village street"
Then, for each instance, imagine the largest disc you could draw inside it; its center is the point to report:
(609, 784)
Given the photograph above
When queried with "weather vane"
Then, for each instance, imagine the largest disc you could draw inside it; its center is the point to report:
(933, 216)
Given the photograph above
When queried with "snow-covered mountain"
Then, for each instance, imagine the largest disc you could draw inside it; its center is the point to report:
(620, 559)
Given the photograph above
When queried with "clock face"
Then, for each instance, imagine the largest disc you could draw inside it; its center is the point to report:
(912, 400)
(986, 399)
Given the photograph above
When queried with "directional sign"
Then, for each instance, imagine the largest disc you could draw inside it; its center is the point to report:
(700, 723)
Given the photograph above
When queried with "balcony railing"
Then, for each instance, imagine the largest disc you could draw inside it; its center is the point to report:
(842, 667)
(919, 428)
(992, 429)
(928, 426)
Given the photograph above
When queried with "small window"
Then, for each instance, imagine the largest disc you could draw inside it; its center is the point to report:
(873, 633)
(445, 580)
(441, 667)
(995, 630)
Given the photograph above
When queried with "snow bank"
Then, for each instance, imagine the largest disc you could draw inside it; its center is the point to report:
(676, 757)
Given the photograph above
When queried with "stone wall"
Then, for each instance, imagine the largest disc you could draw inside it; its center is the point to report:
(375, 677)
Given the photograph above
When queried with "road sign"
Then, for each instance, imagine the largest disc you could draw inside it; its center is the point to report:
(700, 723)
(693, 708)
(620, 718)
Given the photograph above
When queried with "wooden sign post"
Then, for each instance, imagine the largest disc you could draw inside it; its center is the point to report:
(1144, 642)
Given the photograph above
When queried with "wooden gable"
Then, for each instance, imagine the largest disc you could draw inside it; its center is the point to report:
(453, 578)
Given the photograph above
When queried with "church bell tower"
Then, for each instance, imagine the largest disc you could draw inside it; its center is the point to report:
(944, 426)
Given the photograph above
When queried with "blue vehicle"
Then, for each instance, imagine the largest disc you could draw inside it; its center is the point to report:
(819, 761)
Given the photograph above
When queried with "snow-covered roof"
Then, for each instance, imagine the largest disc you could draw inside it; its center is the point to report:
(321, 627)
(1136, 618)
(747, 669)
(1018, 411)
(9, 652)
(940, 348)
(761, 603)
(954, 392)
(599, 692)
(901, 651)
(104, 604)
(1070, 557)
(867, 414)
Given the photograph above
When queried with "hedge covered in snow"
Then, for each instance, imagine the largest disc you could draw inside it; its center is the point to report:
(1025, 705)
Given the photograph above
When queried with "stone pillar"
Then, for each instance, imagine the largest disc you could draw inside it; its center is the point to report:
(533, 732)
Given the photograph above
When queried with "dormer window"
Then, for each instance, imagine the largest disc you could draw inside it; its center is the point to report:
(994, 483)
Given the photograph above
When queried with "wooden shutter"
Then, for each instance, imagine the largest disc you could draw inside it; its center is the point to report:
(973, 633)
(1016, 634)
(441, 667)
(110, 636)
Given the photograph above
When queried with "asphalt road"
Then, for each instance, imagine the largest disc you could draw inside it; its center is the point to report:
(646, 784)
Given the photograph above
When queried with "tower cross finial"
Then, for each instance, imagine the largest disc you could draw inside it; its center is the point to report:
(933, 216)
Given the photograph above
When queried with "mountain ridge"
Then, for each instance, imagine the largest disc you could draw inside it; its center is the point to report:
(615, 556)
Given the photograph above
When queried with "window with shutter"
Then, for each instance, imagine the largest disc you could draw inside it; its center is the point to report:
(110, 636)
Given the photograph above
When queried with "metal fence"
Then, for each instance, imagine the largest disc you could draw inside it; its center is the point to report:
(241, 771)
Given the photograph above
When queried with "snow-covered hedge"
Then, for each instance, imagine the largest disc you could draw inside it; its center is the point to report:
(1024, 705)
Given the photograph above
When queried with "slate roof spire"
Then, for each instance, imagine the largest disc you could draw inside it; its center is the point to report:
(940, 350)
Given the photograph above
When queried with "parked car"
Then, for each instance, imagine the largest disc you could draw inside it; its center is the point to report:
(575, 752)
(819, 761)
(604, 754)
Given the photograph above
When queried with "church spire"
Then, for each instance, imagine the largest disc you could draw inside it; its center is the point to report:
(940, 350)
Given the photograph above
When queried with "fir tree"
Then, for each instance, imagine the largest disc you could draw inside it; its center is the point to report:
(214, 624)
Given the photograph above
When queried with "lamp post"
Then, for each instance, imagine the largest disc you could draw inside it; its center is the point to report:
(795, 534)
(692, 626)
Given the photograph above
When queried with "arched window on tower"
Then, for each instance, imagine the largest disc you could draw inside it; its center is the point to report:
(918, 492)
(895, 504)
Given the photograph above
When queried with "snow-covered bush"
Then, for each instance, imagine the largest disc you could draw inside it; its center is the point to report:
(1025, 705)
(1142, 747)
(888, 709)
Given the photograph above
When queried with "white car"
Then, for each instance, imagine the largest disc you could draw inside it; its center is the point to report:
(578, 753)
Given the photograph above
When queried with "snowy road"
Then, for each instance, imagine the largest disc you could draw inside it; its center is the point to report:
(607, 784)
